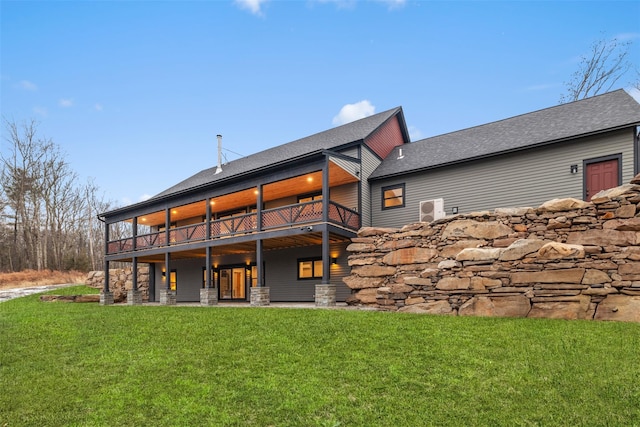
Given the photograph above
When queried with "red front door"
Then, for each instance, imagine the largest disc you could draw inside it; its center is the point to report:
(601, 176)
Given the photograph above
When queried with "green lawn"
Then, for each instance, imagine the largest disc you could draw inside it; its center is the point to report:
(84, 364)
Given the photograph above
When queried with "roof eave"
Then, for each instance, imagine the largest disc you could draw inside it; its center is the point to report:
(503, 152)
(230, 179)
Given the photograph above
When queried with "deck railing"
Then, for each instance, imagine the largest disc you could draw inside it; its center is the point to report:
(281, 217)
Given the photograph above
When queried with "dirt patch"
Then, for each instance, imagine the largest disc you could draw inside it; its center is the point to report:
(34, 278)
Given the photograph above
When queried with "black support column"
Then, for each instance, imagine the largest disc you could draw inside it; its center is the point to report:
(325, 292)
(167, 296)
(106, 296)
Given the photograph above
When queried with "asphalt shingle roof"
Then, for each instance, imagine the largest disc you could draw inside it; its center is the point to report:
(599, 113)
(329, 139)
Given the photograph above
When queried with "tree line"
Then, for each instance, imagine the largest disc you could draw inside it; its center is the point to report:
(48, 219)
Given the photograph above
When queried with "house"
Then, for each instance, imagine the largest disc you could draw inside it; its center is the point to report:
(570, 150)
(274, 226)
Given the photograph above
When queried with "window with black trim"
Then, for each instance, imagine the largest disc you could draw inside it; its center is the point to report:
(393, 196)
(310, 198)
(309, 268)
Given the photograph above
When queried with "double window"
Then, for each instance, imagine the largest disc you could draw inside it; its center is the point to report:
(393, 196)
(309, 268)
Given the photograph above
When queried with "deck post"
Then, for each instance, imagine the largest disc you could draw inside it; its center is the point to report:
(325, 291)
(167, 296)
(106, 296)
(260, 294)
(135, 232)
(167, 225)
(207, 230)
(208, 294)
(259, 209)
(134, 295)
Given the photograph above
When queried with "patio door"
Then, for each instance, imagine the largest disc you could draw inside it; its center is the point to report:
(232, 283)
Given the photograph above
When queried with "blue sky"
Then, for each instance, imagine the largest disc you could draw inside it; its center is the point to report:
(135, 91)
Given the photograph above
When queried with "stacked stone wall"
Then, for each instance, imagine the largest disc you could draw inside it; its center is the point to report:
(121, 281)
(566, 259)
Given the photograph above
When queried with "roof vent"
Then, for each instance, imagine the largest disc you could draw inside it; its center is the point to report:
(400, 155)
(219, 168)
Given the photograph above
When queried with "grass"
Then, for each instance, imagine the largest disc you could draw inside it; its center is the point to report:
(27, 278)
(88, 365)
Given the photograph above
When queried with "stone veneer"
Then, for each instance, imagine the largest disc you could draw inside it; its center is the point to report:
(121, 282)
(566, 259)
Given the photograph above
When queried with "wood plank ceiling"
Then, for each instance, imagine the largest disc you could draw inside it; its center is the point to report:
(302, 184)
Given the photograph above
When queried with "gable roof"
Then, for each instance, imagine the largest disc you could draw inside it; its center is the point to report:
(351, 132)
(600, 113)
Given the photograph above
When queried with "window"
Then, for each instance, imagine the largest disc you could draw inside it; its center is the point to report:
(310, 198)
(309, 268)
(173, 280)
(393, 196)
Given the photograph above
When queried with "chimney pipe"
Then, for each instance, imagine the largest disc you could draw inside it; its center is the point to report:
(219, 168)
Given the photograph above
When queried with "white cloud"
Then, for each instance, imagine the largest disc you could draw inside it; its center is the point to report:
(253, 6)
(627, 36)
(539, 87)
(65, 103)
(125, 201)
(351, 4)
(27, 85)
(414, 133)
(351, 112)
(145, 197)
(98, 107)
(41, 111)
(394, 4)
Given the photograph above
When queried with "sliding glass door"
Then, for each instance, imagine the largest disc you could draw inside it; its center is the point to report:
(232, 283)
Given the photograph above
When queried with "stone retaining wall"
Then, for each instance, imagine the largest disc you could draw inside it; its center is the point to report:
(566, 259)
(121, 281)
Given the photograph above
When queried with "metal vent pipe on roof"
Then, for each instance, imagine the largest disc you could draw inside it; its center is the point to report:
(219, 168)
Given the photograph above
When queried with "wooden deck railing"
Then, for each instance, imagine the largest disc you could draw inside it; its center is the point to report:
(281, 217)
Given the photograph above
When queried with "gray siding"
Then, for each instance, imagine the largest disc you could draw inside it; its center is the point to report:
(369, 163)
(346, 195)
(189, 275)
(527, 178)
(281, 274)
(350, 166)
(353, 152)
(285, 201)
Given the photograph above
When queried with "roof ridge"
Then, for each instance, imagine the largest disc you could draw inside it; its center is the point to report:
(564, 105)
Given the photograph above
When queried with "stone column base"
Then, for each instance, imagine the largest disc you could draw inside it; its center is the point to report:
(325, 295)
(106, 298)
(260, 297)
(134, 297)
(167, 297)
(209, 296)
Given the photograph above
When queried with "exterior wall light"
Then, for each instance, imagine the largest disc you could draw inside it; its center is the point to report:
(574, 168)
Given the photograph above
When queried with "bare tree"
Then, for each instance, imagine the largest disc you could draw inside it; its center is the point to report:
(47, 220)
(599, 70)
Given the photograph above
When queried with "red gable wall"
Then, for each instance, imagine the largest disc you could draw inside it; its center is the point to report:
(383, 140)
